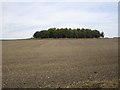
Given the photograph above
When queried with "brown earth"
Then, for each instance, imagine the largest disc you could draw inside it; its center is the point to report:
(69, 63)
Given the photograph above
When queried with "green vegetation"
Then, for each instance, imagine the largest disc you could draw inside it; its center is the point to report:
(68, 33)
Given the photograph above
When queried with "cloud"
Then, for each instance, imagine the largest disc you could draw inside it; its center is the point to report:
(59, 0)
(0, 20)
(21, 20)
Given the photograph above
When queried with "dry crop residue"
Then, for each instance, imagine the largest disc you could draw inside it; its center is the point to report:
(59, 62)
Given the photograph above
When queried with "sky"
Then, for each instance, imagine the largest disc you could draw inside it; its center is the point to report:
(22, 19)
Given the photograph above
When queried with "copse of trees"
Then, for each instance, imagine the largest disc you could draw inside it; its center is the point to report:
(68, 33)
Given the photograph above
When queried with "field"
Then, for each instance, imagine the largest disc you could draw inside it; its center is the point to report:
(60, 63)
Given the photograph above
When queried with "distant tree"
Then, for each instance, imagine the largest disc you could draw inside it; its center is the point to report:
(102, 34)
(36, 35)
(68, 33)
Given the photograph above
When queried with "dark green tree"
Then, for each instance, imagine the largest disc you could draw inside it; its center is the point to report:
(68, 33)
(102, 34)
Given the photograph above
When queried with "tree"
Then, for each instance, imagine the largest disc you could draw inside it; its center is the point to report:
(102, 34)
(68, 33)
(36, 35)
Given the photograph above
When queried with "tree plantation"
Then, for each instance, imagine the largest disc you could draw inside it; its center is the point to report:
(68, 33)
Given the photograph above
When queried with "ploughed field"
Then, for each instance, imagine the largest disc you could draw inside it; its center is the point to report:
(60, 63)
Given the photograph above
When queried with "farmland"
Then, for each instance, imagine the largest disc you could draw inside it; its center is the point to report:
(64, 63)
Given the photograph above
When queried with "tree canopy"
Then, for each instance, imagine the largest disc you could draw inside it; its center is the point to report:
(68, 33)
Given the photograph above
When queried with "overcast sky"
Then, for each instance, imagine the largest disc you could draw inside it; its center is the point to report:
(22, 19)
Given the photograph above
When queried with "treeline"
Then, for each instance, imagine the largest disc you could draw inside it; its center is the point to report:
(68, 33)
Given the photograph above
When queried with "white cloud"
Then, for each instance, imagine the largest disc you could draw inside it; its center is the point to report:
(23, 19)
(59, 0)
(0, 20)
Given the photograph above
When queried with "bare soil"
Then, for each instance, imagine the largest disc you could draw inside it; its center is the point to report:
(57, 63)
